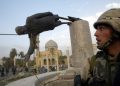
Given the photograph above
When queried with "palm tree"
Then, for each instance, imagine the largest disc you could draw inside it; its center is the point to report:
(6, 62)
(21, 54)
(12, 54)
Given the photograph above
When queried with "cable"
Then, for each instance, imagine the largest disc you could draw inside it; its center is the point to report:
(64, 18)
(8, 34)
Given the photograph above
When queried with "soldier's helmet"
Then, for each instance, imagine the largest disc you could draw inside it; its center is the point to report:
(111, 18)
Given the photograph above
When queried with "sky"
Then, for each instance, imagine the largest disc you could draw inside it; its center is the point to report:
(13, 13)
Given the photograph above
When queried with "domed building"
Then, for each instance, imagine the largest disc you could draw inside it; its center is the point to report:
(51, 44)
(50, 57)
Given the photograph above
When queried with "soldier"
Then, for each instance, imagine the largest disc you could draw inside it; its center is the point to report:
(105, 65)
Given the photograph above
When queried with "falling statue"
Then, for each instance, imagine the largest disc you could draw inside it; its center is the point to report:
(38, 23)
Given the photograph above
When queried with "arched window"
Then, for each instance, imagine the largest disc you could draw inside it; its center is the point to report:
(53, 61)
(45, 62)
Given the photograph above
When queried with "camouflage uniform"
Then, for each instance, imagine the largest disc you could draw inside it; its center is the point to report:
(103, 70)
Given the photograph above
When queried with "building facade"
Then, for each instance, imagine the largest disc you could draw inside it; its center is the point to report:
(50, 58)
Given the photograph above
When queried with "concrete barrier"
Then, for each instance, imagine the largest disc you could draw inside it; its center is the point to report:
(42, 80)
(33, 80)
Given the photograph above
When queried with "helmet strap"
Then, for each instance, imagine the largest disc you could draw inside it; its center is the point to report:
(106, 45)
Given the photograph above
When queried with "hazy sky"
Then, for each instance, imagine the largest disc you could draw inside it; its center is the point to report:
(14, 13)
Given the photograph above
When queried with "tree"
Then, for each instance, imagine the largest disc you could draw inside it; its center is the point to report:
(21, 54)
(20, 63)
(12, 54)
(31, 63)
(62, 59)
(6, 61)
(4, 58)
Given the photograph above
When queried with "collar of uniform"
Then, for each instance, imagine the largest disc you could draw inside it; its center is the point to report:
(118, 57)
(114, 61)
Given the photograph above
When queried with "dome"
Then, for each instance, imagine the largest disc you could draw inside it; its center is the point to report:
(51, 44)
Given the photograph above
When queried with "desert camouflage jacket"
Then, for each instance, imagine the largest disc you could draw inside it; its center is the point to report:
(104, 72)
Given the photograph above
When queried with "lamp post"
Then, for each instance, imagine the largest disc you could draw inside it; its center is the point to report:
(68, 58)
